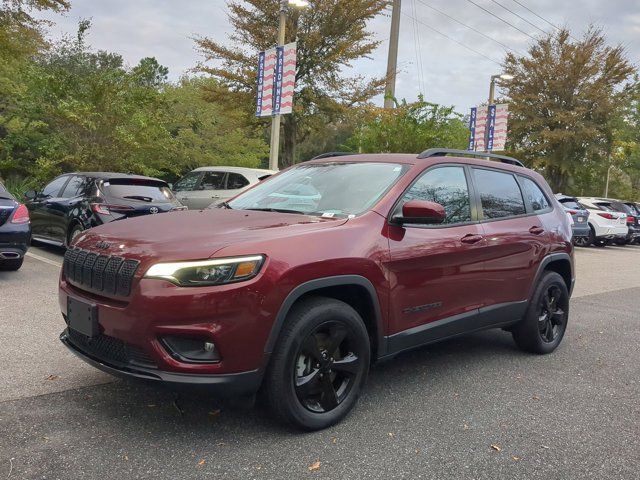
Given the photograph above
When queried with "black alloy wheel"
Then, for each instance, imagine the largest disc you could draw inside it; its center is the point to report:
(326, 367)
(319, 364)
(543, 326)
(552, 317)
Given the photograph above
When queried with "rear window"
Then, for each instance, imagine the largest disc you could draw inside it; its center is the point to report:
(500, 194)
(142, 190)
(571, 203)
(605, 206)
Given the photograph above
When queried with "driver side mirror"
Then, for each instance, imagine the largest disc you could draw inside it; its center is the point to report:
(421, 212)
(30, 194)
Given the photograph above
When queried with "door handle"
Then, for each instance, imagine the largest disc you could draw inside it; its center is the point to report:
(471, 238)
(536, 230)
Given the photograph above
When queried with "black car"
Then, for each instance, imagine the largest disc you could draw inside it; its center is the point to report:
(74, 202)
(15, 231)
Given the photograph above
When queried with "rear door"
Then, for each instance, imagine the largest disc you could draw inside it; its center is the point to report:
(516, 237)
(235, 184)
(44, 210)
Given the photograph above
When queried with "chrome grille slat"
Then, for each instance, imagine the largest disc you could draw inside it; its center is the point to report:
(111, 275)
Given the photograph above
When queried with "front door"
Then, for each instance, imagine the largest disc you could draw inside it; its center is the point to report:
(42, 209)
(209, 191)
(435, 270)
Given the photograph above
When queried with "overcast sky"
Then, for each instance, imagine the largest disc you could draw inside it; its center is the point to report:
(450, 74)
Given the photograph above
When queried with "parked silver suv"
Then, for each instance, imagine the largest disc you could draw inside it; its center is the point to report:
(207, 185)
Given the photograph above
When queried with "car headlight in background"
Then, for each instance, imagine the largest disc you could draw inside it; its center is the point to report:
(201, 273)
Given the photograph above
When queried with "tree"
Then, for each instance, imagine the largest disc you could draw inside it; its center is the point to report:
(563, 99)
(331, 34)
(411, 128)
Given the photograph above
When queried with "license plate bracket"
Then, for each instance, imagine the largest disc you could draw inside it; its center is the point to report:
(83, 317)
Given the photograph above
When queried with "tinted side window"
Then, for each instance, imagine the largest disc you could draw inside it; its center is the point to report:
(499, 194)
(53, 189)
(235, 181)
(212, 181)
(446, 186)
(74, 188)
(534, 195)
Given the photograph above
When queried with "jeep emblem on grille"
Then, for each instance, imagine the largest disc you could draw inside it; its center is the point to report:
(153, 210)
(102, 245)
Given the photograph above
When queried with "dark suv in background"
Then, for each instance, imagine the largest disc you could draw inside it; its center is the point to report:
(15, 231)
(296, 285)
(74, 202)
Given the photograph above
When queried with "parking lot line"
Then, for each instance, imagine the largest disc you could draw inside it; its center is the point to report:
(44, 259)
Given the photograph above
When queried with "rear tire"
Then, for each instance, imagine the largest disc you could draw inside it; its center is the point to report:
(74, 233)
(319, 365)
(11, 265)
(545, 322)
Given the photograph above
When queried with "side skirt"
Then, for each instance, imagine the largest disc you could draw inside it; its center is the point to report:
(495, 316)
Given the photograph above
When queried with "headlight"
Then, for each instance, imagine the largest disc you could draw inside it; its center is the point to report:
(207, 272)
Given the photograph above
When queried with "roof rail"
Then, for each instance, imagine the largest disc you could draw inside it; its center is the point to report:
(443, 152)
(332, 154)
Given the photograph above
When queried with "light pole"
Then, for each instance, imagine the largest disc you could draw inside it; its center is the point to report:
(275, 120)
(606, 187)
(492, 95)
(392, 59)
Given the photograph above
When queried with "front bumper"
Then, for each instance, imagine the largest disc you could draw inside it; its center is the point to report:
(234, 384)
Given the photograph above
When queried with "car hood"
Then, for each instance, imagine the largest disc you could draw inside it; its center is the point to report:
(189, 235)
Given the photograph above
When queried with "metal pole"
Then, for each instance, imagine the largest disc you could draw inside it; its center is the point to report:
(275, 121)
(606, 188)
(392, 60)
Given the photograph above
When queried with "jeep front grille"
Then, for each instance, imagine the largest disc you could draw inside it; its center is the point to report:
(99, 273)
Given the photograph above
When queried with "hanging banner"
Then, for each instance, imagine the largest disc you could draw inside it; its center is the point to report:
(492, 126)
(497, 129)
(500, 130)
(276, 80)
(472, 129)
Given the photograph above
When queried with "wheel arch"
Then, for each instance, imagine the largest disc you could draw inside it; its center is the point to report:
(355, 290)
(560, 263)
(72, 223)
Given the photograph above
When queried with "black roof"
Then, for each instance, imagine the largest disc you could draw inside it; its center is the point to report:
(113, 175)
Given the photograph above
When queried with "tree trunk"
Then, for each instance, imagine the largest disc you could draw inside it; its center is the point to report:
(290, 133)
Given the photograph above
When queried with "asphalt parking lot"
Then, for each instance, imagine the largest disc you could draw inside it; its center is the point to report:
(470, 408)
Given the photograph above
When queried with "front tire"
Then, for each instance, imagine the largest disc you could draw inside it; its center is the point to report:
(319, 365)
(74, 233)
(545, 322)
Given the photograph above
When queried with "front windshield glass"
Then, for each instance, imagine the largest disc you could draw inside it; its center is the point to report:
(324, 189)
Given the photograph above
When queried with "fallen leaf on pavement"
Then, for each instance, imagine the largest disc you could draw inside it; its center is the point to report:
(201, 462)
(391, 434)
(536, 397)
(496, 448)
(314, 466)
(53, 377)
(213, 413)
(516, 458)
(334, 440)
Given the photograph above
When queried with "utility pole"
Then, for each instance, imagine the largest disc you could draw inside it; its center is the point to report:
(392, 61)
(275, 121)
(606, 187)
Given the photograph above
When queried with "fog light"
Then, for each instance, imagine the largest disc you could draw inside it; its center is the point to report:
(191, 350)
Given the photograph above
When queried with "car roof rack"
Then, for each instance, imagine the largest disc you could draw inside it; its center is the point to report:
(332, 154)
(443, 152)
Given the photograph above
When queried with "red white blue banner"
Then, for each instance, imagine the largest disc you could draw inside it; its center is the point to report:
(493, 118)
(472, 129)
(276, 81)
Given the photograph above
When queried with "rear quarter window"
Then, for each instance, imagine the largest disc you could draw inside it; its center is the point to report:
(534, 196)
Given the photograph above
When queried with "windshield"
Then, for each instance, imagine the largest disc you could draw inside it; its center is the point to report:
(324, 189)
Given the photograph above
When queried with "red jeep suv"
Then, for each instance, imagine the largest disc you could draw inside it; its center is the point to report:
(297, 285)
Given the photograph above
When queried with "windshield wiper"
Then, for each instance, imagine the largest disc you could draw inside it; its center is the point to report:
(279, 210)
(139, 197)
(224, 205)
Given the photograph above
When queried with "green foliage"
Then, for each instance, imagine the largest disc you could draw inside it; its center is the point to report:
(331, 34)
(564, 100)
(18, 186)
(78, 109)
(411, 128)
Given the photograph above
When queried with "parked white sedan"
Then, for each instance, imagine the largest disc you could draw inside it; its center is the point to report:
(207, 185)
(606, 224)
